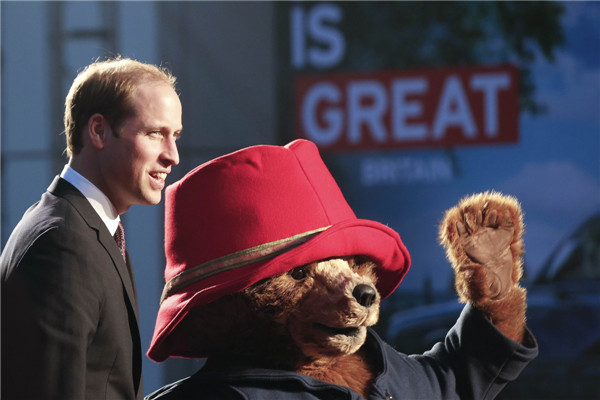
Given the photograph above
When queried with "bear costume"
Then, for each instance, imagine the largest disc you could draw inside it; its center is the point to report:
(272, 277)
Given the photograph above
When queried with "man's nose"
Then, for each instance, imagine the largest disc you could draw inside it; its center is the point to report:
(170, 152)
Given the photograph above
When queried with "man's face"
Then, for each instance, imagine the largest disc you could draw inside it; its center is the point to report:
(136, 162)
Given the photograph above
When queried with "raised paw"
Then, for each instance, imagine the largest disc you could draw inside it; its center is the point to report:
(482, 236)
(486, 240)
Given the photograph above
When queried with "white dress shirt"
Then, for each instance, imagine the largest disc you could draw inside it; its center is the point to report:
(97, 199)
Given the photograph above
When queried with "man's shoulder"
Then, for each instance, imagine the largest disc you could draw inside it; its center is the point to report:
(49, 212)
(51, 219)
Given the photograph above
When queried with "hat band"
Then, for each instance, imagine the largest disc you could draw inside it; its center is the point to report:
(236, 260)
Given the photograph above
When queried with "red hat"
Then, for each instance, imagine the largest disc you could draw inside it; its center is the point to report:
(253, 214)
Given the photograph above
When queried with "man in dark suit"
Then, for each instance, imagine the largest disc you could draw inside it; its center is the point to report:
(69, 303)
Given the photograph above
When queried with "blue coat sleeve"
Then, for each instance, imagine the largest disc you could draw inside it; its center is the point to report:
(475, 361)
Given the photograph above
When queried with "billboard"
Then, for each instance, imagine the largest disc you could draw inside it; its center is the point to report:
(403, 108)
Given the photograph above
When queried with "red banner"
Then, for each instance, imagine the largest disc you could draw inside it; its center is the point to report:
(419, 108)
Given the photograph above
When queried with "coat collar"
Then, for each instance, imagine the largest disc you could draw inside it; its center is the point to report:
(61, 188)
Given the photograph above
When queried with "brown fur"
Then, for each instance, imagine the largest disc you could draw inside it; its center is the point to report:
(508, 313)
(280, 313)
(353, 370)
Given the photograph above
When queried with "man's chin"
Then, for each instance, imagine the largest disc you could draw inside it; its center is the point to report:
(149, 199)
(154, 196)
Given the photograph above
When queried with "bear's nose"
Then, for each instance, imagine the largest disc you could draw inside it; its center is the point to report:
(364, 294)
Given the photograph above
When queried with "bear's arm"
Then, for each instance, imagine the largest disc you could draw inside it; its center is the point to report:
(475, 361)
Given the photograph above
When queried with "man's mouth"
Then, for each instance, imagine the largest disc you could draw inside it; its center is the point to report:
(350, 331)
(161, 176)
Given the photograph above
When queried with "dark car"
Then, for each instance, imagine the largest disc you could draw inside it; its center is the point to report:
(563, 313)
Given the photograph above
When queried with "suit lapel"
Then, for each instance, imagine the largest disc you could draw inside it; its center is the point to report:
(64, 189)
(131, 275)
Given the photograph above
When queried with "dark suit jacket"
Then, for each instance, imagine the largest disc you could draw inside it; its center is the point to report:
(69, 306)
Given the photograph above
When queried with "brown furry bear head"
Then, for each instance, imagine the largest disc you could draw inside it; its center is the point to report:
(315, 312)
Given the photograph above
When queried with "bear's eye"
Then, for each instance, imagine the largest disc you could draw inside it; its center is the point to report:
(298, 273)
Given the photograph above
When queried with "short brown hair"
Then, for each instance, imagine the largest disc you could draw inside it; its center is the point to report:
(106, 87)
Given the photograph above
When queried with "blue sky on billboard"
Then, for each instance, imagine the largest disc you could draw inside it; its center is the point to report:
(554, 169)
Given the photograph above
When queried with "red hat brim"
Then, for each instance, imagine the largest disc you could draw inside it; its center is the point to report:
(346, 238)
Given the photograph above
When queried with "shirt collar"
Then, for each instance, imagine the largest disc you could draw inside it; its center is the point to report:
(97, 199)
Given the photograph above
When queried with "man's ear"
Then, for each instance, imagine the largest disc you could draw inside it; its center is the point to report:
(98, 130)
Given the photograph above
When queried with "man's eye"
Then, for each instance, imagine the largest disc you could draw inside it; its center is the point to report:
(298, 273)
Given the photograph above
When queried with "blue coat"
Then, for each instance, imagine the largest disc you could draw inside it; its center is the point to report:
(475, 362)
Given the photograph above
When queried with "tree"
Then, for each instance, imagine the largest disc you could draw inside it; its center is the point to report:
(391, 35)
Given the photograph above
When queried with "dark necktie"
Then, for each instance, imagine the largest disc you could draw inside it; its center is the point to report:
(120, 239)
